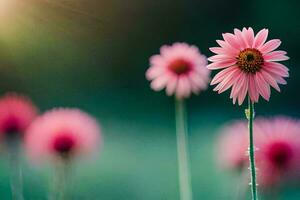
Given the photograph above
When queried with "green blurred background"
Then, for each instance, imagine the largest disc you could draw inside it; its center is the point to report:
(93, 55)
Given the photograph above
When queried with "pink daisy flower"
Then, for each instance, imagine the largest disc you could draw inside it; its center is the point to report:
(62, 134)
(278, 157)
(180, 69)
(232, 146)
(249, 65)
(16, 113)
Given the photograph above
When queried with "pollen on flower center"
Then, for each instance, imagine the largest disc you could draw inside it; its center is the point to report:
(180, 66)
(63, 144)
(280, 154)
(250, 60)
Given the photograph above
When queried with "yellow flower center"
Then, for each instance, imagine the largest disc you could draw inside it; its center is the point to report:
(250, 60)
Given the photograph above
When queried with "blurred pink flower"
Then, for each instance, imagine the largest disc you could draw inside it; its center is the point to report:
(62, 134)
(278, 149)
(232, 146)
(180, 69)
(249, 65)
(16, 113)
(278, 155)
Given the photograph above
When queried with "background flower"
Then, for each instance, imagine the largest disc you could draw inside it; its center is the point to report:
(232, 146)
(16, 114)
(62, 134)
(278, 154)
(180, 69)
(278, 149)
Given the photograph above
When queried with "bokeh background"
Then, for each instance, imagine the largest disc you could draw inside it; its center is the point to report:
(93, 55)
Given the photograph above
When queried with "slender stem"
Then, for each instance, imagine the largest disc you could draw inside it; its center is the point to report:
(182, 151)
(252, 150)
(60, 182)
(16, 179)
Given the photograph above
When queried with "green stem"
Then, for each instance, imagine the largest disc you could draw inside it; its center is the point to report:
(252, 150)
(182, 151)
(16, 180)
(60, 182)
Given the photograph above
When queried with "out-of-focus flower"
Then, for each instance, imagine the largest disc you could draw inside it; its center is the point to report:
(16, 114)
(232, 146)
(249, 65)
(278, 155)
(62, 134)
(278, 149)
(180, 69)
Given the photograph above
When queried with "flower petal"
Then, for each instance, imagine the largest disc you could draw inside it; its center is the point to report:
(269, 46)
(269, 79)
(171, 85)
(240, 38)
(228, 81)
(183, 88)
(248, 36)
(221, 64)
(160, 82)
(276, 56)
(216, 58)
(232, 41)
(154, 72)
(253, 92)
(262, 86)
(227, 47)
(260, 38)
(276, 68)
(222, 74)
(243, 90)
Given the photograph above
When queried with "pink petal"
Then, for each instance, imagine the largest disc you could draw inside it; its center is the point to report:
(240, 38)
(171, 86)
(269, 79)
(278, 78)
(157, 60)
(222, 74)
(237, 86)
(253, 92)
(183, 88)
(217, 50)
(227, 47)
(276, 68)
(221, 64)
(228, 81)
(231, 40)
(243, 90)
(248, 36)
(198, 80)
(260, 38)
(262, 86)
(270, 46)
(276, 56)
(160, 82)
(220, 58)
(154, 72)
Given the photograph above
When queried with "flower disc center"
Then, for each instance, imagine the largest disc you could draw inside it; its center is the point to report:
(250, 60)
(180, 66)
(280, 154)
(11, 125)
(63, 144)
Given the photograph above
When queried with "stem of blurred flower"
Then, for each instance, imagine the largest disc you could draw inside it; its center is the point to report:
(250, 116)
(60, 182)
(182, 151)
(16, 178)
